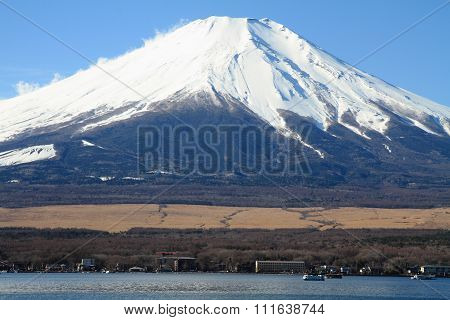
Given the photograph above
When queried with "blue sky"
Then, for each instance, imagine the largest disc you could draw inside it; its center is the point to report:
(418, 61)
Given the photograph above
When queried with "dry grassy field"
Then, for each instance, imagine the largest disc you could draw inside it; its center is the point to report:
(116, 218)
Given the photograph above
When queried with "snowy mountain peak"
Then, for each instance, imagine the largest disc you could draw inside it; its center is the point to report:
(260, 63)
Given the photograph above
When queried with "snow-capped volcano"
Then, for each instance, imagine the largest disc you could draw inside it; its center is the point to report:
(224, 70)
(260, 63)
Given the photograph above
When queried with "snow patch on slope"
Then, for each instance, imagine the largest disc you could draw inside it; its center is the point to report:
(27, 155)
(86, 143)
(106, 178)
(300, 139)
(133, 178)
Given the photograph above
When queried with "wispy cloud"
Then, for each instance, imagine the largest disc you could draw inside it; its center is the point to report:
(23, 87)
(56, 77)
(161, 33)
(102, 60)
(177, 25)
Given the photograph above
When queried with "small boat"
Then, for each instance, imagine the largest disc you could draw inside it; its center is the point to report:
(334, 276)
(313, 277)
(423, 277)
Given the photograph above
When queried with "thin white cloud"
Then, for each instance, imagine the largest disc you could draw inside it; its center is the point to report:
(161, 33)
(56, 77)
(102, 60)
(23, 87)
(177, 25)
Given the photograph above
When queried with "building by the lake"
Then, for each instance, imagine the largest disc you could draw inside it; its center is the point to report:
(440, 271)
(170, 262)
(86, 265)
(279, 266)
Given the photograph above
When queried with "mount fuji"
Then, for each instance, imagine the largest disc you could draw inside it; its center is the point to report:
(363, 130)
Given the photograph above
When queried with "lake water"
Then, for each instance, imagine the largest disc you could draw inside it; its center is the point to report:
(213, 286)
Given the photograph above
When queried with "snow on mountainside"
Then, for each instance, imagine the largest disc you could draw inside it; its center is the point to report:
(260, 63)
(27, 155)
(86, 143)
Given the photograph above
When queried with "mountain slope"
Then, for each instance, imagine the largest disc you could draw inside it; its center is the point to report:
(260, 63)
(220, 70)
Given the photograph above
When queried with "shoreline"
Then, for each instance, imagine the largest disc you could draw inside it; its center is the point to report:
(226, 273)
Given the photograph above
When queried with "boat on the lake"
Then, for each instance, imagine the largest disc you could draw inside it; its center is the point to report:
(313, 277)
(423, 277)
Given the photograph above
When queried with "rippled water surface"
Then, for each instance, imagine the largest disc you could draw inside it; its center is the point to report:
(213, 286)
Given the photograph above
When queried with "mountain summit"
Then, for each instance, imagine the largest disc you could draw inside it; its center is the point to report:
(230, 65)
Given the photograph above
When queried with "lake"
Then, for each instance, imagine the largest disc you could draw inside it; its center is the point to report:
(212, 286)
